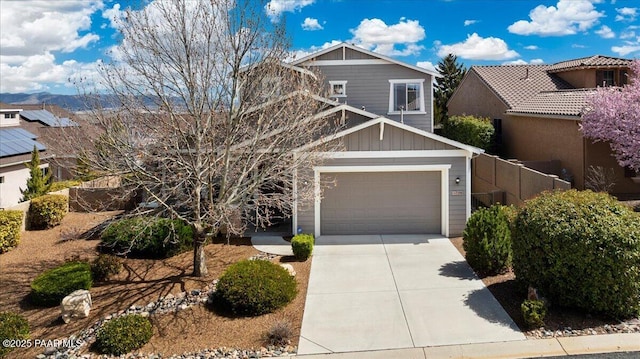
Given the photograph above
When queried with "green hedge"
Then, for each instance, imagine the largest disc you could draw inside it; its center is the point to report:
(123, 334)
(470, 130)
(10, 225)
(12, 326)
(57, 186)
(147, 237)
(487, 240)
(580, 249)
(50, 287)
(254, 287)
(47, 211)
(302, 246)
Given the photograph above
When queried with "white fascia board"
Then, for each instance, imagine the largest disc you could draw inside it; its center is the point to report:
(393, 154)
(347, 62)
(381, 168)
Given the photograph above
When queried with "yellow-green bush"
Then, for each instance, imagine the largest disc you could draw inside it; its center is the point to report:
(302, 246)
(57, 186)
(47, 211)
(470, 130)
(10, 224)
(50, 287)
(123, 334)
(12, 327)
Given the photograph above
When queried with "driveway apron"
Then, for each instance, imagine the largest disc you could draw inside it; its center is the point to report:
(374, 292)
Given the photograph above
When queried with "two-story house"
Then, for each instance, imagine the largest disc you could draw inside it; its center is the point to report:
(393, 174)
(537, 109)
(21, 128)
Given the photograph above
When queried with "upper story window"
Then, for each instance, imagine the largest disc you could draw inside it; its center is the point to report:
(406, 96)
(9, 115)
(616, 77)
(338, 88)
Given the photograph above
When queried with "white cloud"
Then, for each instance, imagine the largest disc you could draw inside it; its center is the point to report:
(311, 24)
(626, 49)
(478, 48)
(427, 65)
(523, 62)
(470, 22)
(531, 47)
(275, 8)
(568, 17)
(605, 32)
(114, 15)
(376, 35)
(578, 46)
(628, 14)
(30, 34)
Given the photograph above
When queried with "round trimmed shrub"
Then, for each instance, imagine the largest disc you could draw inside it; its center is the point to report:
(123, 334)
(50, 287)
(533, 313)
(12, 326)
(580, 249)
(105, 266)
(487, 240)
(47, 211)
(147, 237)
(10, 224)
(302, 246)
(254, 287)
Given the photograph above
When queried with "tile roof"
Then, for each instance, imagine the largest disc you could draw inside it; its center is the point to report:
(597, 61)
(515, 84)
(558, 103)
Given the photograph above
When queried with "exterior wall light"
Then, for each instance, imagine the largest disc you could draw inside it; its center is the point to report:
(457, 180)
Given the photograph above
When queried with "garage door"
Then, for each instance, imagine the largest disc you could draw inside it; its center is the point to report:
(381, 202)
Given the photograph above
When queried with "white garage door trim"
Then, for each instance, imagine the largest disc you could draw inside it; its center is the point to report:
(444, 188)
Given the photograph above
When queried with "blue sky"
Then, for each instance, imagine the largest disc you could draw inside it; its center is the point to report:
(44, 43)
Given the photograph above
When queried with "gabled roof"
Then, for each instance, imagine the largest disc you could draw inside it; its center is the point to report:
(364, 51)
(383, 120)
(563, 103)
(514, 84)
(597, 61)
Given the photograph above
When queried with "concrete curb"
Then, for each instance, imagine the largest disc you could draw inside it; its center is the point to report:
(605, 343)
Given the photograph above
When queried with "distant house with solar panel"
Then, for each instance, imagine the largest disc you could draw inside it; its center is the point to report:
(20, 130)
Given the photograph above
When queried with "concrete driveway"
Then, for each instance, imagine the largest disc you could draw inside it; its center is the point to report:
(373, 292)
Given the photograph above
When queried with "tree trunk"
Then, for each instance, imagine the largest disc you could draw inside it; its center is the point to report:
(199, 259)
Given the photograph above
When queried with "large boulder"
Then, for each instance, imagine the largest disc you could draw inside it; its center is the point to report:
(76, 305)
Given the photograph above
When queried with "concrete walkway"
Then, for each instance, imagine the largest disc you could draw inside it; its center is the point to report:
(272, 245)
(377, 292)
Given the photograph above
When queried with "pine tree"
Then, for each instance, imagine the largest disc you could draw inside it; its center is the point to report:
(452, 73)
(38, 183)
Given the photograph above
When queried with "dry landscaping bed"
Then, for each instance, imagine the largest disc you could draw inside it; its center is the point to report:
(141, 282)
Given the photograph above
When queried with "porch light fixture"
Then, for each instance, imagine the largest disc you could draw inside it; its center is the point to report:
(457, 180)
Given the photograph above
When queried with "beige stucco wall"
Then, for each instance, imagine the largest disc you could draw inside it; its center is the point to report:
(579, 78)
(545, 139)
(474, 98)
(599, 154)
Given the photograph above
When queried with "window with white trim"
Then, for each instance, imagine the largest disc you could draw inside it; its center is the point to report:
(406, 96)
(338, 88)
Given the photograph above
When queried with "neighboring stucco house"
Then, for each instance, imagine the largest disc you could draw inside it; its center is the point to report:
(536, 110)
(20, 130)
(393, 175)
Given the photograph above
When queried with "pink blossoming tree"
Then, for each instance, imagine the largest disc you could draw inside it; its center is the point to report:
(613, 115)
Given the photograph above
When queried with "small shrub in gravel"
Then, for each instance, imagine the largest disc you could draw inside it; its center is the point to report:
(10, 223)
(12, 327)
(279, 333)
(487, 240)
(105, 266)
(582, 249)
(47, 211)
(533, 312)
(123, 334)
(60, 185)
(254, 287)
(302, 246)
(147, 237)
(50, 287)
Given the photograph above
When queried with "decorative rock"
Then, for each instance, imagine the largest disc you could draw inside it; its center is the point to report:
(76, 304)
(289, 269)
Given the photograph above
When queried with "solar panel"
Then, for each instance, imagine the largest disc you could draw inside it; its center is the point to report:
(47, 118)
(17, 141)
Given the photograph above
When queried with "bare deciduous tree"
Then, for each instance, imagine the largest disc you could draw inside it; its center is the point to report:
(208, 116)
